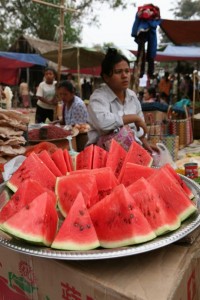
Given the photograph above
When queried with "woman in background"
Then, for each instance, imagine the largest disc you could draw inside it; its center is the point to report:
(74, 109)
(149, 95)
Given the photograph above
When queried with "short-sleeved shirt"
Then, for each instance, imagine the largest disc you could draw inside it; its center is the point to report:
(46, 91)
(105, 111)
(77, 113)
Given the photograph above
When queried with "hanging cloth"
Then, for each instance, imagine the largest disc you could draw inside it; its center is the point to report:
(144, 30)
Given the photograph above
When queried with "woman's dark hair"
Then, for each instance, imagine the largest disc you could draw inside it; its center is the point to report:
(50, 69)
(111, 58)
(152, 91)
(67, 85)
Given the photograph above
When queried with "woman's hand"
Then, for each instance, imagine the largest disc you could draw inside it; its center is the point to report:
(139, 122)
(147, 146)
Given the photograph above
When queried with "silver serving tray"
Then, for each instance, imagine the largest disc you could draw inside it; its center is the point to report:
(186, 228)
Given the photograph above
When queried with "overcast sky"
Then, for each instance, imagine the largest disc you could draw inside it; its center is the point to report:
(116, 25)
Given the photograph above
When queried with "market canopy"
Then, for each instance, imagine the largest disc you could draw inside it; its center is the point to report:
(177, 53)
(12, 62)
(77, 57)
(182, 32)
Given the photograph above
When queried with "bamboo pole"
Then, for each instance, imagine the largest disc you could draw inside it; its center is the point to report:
(53, 5)
(78, 70)
(61, 32)
(194, 96)
(63, 9)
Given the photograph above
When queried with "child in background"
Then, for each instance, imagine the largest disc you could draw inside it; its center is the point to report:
(46, 95)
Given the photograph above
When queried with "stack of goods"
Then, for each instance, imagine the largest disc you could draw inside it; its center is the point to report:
(13, 127)
(48, 132)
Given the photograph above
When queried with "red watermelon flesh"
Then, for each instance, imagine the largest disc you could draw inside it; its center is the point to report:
(47, 160)
(68, 187)
(68, 160)
(184, 186)
(137, 155)
(160, 216)
(171, 192)
(26, 192)
(118, 221)
(84, 159)
(59, 160)
(105, 179)
(132, 172)
(37, 222)
(77, 231)
(99, 157)
(116, 157)
(32, 168)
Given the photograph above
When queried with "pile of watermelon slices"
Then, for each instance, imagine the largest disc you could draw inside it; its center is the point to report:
(103, 199)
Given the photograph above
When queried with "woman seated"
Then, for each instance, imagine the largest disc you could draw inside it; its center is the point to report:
(74, 109)
(114, 105)
(149, 95)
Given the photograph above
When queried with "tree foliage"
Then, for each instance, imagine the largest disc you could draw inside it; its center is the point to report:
(187, 9)
(19, 17)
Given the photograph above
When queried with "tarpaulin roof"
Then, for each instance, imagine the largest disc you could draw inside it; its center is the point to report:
(11, 62)
(182, 32)
(177, 53)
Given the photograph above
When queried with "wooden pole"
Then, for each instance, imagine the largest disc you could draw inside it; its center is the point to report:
(78, 70)
(61, 32)
(194, 96)
(63, 9)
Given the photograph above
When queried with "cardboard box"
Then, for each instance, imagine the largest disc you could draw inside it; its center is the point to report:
(169, 273)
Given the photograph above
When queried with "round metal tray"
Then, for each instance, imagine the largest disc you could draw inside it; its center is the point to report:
(187, 227)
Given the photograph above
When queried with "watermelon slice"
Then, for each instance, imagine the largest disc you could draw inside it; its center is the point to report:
(32, 224)
(118, 220)
(99, 157)
(59, 160)
(84, 159)
(32, 168)
(47, 160)
(160, 216)
(171, 192)
(105, 179)
(184, 186)
(77, 231)
(132, 172)
(116, 157)
(68, 187)
(68, 160)
(138, 155)
(26, 192)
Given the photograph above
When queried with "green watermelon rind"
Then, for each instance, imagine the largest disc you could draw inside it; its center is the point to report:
(33, 239)
(128, 242)
(188, 212)
(11, 186)
(74, 246)
(63, 213)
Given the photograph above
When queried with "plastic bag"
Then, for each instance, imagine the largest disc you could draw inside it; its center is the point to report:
(12, 165)
(165, 156)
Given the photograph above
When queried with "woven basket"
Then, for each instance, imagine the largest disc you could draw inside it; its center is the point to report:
(182, 128)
